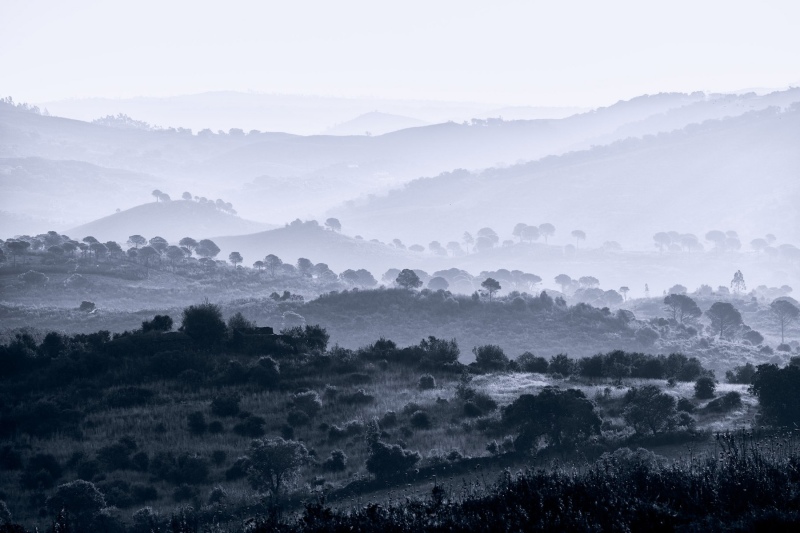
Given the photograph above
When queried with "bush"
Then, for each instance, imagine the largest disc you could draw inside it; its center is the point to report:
(218, 457)
(31, 277)
(129, 397)
(358, 397)
(784, 348)
(10, 459)
(420, 420)
(387, 460)
(490, 358)
(704, 388)
(296, 418)
(81, 499)
(686, 405)
(388, 420)
(561, 364)
(530, 363)
(726, 402)
(336, 462)
(185, 493)
(226, 404)
(197, 423)
(216, 427)
(204, 324)
(426, 382)
(159, 323)
(252, 426)
(308, 402)
(471, 409)
(741, 374)
(238, 469)
(41, 472)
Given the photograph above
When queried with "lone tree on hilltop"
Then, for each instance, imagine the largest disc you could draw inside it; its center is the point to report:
(786, 313)
(334, 224)
(157, 193)
(187, 196)
(408, 279)
(492, 286)
(624, 292)
(681, 307)
(235, 258)
(725, 318)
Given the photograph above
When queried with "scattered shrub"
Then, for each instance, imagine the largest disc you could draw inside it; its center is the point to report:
(129, 397)
(296, 418)
(197, 423)
(530, 363)
(252, 426)
(218, 457)
(337, 461)
(238, 469)
(226, 404)
(426, 382)
(358, 397)
(704, 388)
(420, 420)
(309, 402)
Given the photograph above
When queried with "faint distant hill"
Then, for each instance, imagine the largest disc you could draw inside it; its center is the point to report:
(532, 112)
(374, 123)
(62, 193)
(319, 245)
(172, 220)
(738, 174)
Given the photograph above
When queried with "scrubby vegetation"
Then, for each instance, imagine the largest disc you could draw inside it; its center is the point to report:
(233, 420)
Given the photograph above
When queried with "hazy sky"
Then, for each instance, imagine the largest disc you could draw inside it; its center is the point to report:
(517, 52)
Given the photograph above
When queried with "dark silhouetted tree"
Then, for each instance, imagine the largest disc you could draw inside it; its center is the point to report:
(204, 323)
(492, 286)
(725, 318)
(681, 307)
(207, 248)
(137, 240)
(333, 224)
(274, 463)
(564, 281)
(235, 258)
(786, 313)
(547, 230)
(408, 279)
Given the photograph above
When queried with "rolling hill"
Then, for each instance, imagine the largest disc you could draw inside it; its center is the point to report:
(171, 220)
(308, 240)
(739, 173)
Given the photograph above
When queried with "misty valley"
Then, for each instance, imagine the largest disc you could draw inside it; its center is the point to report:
(579, 321)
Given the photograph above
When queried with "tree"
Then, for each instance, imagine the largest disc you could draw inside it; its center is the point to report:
(737, 283)
(187, 196)
(490, 357)
(547, 230)
(589, 282)
(529, 233)
(207, 248)
(174, 254)
(681, 307)
(408, 279)
(468, 239)
(17, 248)
(137, 240)
(98, 249)
(564, 281)
(564, 417)
(786, 313)
(492, 286)
(274, 464)
(776, 390)
(650, 409)
(624, 291)
(518, 229)
(487, 238)
(188, 242)
(704, 387)
(304, 266)
(455, 248)
(204, 323)
(235, 258)
(759, 244)
(438, 283)
(718, 238)
(725, 318)
(80, 499)
(159, 323)
(662, 239)
(147, 253)
(272, 263)
(387, 460)
(113, 248)
(334, 224)
(157, 194)
(159, 243)
(579, 235)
